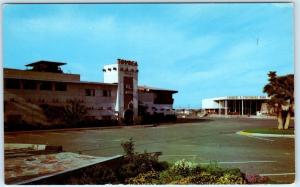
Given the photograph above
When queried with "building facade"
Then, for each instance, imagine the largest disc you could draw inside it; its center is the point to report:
(44, 83)
(236, 105)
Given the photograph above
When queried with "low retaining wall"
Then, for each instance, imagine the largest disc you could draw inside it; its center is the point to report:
(55, 178)
(44, 164)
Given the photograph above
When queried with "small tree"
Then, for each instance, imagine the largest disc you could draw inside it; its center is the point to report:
(74, 112)
(280, 89)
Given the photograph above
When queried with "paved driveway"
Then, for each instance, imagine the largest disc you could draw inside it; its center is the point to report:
(205, 141)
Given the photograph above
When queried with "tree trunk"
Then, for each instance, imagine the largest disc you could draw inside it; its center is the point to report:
(287, 120)
(280, 120)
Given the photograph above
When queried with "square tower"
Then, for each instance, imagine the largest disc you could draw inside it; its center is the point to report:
(125, 74)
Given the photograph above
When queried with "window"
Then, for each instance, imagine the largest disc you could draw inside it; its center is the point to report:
(29, 85)
(46, 86)
(55, 100)
(41, 100)
(106, 93)
(59, 86)
(89, 92)
(106, 117)
(128, 86)
(12, 84)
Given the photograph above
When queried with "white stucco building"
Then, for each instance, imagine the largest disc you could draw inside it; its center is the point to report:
(43, 83)
(236, 105)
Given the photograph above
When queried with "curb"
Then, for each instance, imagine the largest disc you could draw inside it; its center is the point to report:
(79, 129)
(266, 135)
(65, 129)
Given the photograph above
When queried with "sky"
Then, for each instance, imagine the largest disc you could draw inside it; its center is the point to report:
(200, 50)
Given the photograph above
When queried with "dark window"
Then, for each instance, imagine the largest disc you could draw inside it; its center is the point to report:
(55, 100)
(41, 100)
(89, 92)
(12, 84)
(46, 86)
(29, 85)
(106, 93)
(106, 117)
(60, 86)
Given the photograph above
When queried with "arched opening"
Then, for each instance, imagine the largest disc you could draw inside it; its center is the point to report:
(128, 117)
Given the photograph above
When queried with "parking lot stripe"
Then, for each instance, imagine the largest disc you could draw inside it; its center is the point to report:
(176, 155)
(276, 174)
(242, 162)
(260, 138)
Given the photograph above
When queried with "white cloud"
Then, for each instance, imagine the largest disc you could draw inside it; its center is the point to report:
(283, 5)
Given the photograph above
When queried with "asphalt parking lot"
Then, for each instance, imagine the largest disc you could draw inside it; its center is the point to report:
(202, 142)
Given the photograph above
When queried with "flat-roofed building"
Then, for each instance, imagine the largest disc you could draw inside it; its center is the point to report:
(156, 100)
(45, 83)
(236, 105)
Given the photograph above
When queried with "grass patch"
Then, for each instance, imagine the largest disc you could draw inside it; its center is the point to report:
(271, 131)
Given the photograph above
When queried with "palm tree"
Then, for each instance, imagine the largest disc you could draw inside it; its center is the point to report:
(280, 89)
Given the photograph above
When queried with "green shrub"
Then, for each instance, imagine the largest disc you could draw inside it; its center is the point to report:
(182, 167)
(166, 177)
(128, 147)
(231, 179)
(214, 169)
(94, 175)
(201, 178)
(138, 163)
(151, 177)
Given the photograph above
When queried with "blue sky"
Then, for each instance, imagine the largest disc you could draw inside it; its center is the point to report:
(201, 50)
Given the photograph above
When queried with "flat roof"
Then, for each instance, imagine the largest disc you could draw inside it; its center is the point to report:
(74, 82)
(95, 83)
(238, 98)
(46, 62)
(156, 89)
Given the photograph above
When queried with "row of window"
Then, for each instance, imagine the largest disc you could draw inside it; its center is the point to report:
(40, 100)
(92, 92)
(121, 69)
(46, 85)
(100, 108)
(34, 85)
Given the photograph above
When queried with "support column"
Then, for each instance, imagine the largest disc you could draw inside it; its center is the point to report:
(234, 106)
(242, 107)
(255, 107)
(219, 107)
(250, 112)
(226, 107)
